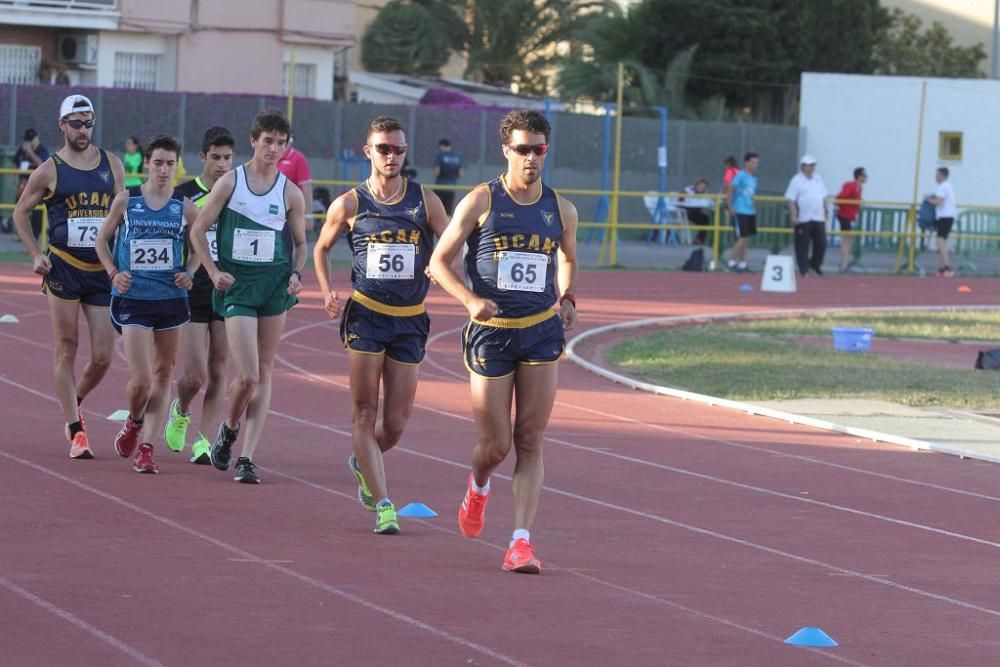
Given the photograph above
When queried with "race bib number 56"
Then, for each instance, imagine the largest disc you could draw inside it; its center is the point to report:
(522, 271)
(82, 232)
(253, 245)
(390, 261)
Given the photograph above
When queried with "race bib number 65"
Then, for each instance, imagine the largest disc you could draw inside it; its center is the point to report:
(252, 245)
(522, 271)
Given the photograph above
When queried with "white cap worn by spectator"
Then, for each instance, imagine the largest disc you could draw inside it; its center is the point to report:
(75, 104)
(807, 159)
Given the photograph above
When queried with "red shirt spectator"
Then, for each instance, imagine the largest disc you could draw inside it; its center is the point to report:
(293, 164)
(850, 190)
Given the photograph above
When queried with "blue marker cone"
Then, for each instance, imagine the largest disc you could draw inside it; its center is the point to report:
(418, 510)
(745, 287)
(814, 637)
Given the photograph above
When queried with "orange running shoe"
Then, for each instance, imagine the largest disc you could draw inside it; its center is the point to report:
(521, 558)
(472, 513)
(79, 416)
(79, 447)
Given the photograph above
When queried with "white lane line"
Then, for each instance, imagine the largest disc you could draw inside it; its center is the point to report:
(500, 548)
(70, 617)
(241, 553)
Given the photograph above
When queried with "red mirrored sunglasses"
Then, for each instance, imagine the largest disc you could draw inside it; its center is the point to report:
(524, 149)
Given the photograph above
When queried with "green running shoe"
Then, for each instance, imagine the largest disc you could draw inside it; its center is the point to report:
(364, 495)
(201, 451)
(175, 432)
(385, 520)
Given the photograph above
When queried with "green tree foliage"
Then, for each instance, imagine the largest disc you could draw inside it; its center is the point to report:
(749, 53)
(406, 38)
(905, 49)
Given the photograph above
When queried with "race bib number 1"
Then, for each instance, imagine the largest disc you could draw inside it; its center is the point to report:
(252, 245)
(82, 232)
(522, 271)
(390, 261)
(151, 255)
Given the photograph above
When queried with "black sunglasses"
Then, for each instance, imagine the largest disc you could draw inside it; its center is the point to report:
(395, 149)
(524, 149)
(77, 124)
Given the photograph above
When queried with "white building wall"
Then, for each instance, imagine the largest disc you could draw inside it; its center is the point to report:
(872, 121)
(111, 43)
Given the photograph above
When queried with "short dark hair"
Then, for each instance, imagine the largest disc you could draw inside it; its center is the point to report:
(271, 120)
(528, 120)
(383, 124)
(164, 141)
(700, 181)
(943, 170)
(217, 136)
(859, 172)
(729, 161)
(749, 156)
(29, 135)
(134, 139)
(444, 142)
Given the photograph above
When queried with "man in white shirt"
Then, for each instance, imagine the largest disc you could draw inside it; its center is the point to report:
(945, 210)
(806, 196)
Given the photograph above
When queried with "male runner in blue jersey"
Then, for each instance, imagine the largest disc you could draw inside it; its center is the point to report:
(149, 291)
(390, 223)
(77, 185)
(515, 227)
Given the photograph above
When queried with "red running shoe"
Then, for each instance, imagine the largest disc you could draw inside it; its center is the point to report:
(472, 513)
(79, 447)
(144, 460)
(127, 438)
(521, 558)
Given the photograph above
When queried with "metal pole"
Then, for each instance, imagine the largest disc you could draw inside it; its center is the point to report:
(291, 86)
(548, 116)
(618, 166)
(916, 180)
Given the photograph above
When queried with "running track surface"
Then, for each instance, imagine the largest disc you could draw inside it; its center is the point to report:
(670, 533)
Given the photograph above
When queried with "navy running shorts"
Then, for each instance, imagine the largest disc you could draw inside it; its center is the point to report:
(495, 352)
(943, 227)
(158, 315)
(70, 283)
(744, 225)
(401, 338)
(200, 299)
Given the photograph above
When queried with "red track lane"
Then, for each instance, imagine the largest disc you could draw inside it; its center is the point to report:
(670, 533)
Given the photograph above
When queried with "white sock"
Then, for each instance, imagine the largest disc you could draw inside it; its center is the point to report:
(480, 489)
(520, 534)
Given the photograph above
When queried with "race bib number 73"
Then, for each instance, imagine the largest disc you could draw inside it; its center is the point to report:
(522, 271)
(82, 232)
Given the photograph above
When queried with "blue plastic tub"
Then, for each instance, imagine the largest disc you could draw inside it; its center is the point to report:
(846, 339)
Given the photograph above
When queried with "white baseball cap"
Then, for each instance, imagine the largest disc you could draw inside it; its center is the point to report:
(75, 104)
(807, 159)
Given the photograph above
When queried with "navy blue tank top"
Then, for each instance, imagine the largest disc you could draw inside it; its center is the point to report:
(78, 206)
(391, 245)
(512, 254)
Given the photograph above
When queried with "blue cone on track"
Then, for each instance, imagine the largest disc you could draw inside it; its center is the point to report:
(746, 287)
(418, 510)
(814, 637)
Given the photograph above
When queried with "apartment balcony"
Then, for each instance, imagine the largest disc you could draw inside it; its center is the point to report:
(71, 14)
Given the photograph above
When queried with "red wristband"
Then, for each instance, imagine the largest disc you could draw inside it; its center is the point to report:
(568, 296)
(114, 272)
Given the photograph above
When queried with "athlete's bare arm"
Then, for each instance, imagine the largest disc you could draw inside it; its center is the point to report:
(469, 212)
(338, 217)
(215, 201)
(122, 280)
(295, 204)
(568, 268)
(41, 182)
(185, 279)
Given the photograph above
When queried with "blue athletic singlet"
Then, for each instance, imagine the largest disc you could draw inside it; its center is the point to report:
(512, 254)
(391, 245)
(76, 209)
(150, 246)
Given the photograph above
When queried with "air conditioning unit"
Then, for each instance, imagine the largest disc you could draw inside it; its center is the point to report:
(78, 49)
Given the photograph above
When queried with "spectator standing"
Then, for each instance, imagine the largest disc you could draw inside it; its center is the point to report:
(945, 210)
(739, 197)
(294, 165)
(847, 214)
(132, 161)
(447, 171)
(29, 155)
(806, 196)
(731, 169)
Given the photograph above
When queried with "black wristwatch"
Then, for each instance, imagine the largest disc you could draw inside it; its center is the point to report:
(296, 273)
